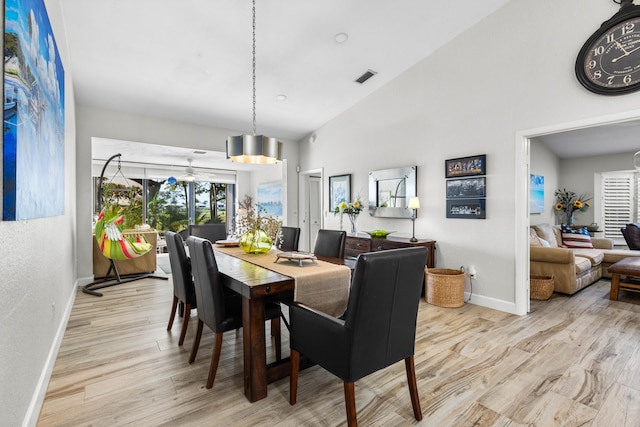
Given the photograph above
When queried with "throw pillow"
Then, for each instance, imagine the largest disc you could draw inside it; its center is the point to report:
(546, 232)
(533, 238)
(578, 238)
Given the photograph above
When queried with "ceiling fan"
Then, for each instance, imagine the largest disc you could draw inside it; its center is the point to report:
(189, 173)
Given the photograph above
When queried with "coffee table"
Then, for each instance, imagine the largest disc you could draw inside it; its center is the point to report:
(629, 267)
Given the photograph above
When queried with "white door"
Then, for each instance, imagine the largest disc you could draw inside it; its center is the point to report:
(315, 209)
(310, 207)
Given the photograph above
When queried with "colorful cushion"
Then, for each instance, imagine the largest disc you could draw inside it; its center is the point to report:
(578, 238)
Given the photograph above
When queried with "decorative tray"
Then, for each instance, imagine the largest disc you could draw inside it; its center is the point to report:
(296, 257)
(228, 243)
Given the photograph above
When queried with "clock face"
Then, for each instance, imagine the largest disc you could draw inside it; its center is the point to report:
(610, 64)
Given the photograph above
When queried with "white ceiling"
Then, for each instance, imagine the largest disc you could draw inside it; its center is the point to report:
(623, 137)
(190, 60)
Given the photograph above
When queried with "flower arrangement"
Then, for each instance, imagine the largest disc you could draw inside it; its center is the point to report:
(252, 226)
(568, 202)
(352, 209)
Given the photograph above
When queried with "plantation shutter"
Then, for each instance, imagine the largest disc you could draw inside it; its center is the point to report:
(619, 204)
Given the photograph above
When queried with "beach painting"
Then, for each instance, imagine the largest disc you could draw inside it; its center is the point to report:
(536, 198)
(270, 199)
(33, 136)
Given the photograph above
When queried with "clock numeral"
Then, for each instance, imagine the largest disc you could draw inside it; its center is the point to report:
(628, 28)
(597, 74)
(598, 51)
(610, 38)
(610, 79)
(592, 64)
(627, 79)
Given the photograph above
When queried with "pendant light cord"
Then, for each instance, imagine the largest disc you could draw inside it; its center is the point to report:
(254, 67)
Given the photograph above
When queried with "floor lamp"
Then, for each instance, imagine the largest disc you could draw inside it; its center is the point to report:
(414, 203)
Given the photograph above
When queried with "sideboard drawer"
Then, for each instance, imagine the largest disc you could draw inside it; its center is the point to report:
(355, 246)
(385, 245)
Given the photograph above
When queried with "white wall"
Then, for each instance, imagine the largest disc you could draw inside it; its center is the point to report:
(576, 174)
(512, 72)
(543, 162)
(96, 122)
(579, 175)
(37, 281)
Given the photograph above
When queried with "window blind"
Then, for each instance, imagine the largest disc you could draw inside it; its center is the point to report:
(619, 203)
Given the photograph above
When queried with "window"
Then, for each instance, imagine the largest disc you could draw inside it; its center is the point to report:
(619, 203)
(169, 206)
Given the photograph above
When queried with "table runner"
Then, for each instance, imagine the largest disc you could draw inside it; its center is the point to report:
(323, 286)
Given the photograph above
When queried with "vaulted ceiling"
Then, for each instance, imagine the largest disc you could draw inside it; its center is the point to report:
(190, 60)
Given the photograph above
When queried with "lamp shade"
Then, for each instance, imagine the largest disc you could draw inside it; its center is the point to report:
(636, 160)
(254, 149)
(414, 203)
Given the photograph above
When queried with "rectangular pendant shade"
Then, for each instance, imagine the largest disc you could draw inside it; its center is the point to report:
(254, 149)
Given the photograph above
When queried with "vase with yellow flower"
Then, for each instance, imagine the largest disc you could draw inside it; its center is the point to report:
(568, 203)
(352, 210)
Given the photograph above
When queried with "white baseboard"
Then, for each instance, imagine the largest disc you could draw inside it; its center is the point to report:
(84, 281)
(35, 406)
(496, 304)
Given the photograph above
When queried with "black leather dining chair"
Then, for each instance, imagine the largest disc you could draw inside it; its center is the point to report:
(183, 289)
(218, 307)
(211, 232)
(330, 243)
(377, 330)
(289, 240)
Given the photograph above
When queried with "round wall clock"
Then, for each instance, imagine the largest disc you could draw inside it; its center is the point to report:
(609, 61)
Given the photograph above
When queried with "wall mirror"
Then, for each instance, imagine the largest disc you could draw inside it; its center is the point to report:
(390, 190)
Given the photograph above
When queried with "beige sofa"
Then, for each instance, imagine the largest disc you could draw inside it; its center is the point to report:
(572, 269)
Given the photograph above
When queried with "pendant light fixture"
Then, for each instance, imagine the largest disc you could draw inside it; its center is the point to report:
(254, 148)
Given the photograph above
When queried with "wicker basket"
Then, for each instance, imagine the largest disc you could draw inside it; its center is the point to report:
(445, 287)
(540, 287)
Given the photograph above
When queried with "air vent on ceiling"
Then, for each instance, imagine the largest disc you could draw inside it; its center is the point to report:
(366, 76)
(199, 152)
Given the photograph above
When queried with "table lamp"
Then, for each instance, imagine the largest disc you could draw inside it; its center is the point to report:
(414, 203)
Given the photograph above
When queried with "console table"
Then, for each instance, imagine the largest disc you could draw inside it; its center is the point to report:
(355, 245)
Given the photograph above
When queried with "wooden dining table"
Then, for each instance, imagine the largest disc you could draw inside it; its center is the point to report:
(258, 285)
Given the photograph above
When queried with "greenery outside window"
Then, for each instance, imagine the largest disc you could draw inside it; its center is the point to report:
(173, 206)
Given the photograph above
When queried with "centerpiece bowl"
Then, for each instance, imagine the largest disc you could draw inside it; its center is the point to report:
(379, 234)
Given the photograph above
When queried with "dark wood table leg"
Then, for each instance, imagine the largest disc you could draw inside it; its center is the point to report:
(615, 284)
(255, 352)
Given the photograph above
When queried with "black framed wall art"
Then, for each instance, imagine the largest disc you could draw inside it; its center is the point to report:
(466, 187)
(466, 166)
(467, 208)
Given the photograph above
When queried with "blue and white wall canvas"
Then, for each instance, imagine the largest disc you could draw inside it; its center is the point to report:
(270, 198)
(536, 198)
(33, 143)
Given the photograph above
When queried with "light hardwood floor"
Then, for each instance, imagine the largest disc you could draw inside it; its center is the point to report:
(573, 361)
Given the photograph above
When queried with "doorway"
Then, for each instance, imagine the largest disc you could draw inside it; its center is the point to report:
(523, 145)
(311, 207)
